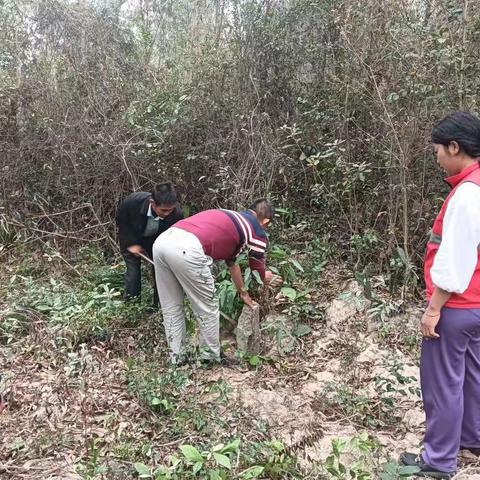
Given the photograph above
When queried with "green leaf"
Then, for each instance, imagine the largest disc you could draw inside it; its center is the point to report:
(222, 460)
(252, 472)
(301, 330)
(408, 470)
(161, 473)
(197, 467)
(277, 445)
(390, 467)
(296, 264)
(15, 316)
(233, 446)
(191, 453)
(257, 277)
(156, 401)
(338, 446)
(392, 97)
(142, 470)
(43, 308)
(254, 360)
(289, 292)
(214, 475)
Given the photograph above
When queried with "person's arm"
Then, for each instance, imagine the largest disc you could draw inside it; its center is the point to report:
(431, 316)
(127, 234)
(457, 255)
(237, 278)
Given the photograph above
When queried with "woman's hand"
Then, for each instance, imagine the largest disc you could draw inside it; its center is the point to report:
(428, 323)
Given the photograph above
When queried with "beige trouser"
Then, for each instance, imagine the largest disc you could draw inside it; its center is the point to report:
(181, 267)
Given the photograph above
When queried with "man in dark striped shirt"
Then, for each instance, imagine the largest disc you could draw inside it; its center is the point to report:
(183, 256)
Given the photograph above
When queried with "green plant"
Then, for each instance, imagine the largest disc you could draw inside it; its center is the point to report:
(319, 252)
(88, 307)
(214, 463)
(396, 384)
(365, 247)
(272, 456)
(92, 468)
(13, 326)
(222, 388)
(283, 262)
(8, 234)
(337, 469)
(158, 391)
(285, 333)
(372, 410)
(253, 360)
(358, 459)
(402, 273)
(382, 310)
(266, 459)
(229, 300)
(393, 471)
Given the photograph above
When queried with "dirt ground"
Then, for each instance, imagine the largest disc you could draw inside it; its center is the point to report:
(349, 375)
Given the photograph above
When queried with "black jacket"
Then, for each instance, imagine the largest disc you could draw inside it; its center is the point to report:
(132, 219)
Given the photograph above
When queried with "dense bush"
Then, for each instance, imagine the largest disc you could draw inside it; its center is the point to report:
(325, 106)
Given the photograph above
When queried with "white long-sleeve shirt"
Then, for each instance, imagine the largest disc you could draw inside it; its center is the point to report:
(457, 255)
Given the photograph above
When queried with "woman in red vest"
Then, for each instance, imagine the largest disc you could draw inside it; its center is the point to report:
(450, 325)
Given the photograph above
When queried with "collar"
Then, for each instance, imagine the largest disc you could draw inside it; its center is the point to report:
(454, 180)
(150, 213)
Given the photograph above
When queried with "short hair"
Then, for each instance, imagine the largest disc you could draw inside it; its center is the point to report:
(263, 208)
(460, 127)
(164, 194)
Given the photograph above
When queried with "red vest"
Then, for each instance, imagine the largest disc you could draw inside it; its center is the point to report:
(470, 298)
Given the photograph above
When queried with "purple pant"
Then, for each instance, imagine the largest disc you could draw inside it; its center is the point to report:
(450, 379)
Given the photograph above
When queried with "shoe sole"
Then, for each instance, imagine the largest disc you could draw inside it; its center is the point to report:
(440, 475)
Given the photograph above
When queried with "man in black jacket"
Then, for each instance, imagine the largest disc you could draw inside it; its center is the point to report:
(141, 218)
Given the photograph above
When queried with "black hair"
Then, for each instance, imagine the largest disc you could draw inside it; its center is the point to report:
(263, 208)
(164, 194)
(460, 127)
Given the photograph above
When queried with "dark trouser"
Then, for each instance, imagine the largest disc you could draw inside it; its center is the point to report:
(450, 378)
(133, 274)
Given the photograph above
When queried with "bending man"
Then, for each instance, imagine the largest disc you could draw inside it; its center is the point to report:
(183, 258)
(141, 218)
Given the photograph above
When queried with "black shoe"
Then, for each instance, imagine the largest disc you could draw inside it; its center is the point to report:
(228, 361)
(151, 309)
(474, 450)
(224, 361)
(180, 361)
(413, 460)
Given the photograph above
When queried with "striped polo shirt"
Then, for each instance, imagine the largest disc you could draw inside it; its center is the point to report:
(224, 234)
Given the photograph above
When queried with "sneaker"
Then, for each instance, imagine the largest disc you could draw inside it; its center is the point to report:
(474, 450)
(413, 460)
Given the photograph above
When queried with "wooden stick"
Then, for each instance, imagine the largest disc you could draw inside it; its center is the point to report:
(149, 260)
